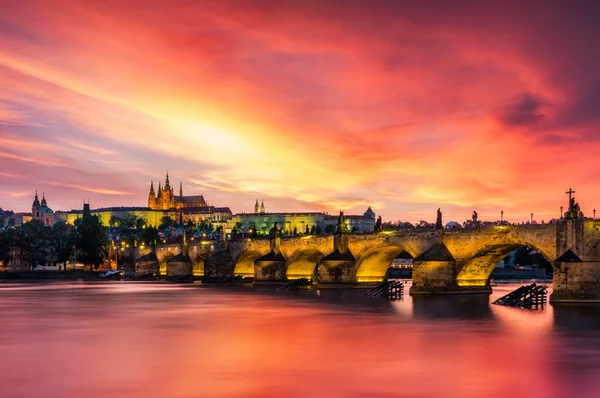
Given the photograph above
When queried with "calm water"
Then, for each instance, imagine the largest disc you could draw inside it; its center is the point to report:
(145, 340)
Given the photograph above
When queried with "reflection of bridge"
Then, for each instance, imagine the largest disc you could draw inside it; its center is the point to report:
(458, 261)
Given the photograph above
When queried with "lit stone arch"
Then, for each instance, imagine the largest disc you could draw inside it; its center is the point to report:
(477, 270)
(303, 264)
(245, 264)
(162, 265)
(373, 265)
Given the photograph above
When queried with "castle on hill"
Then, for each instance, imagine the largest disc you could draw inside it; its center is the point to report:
(166, 200)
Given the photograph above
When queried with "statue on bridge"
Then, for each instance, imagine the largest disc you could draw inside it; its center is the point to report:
(438, 221)
(474, 216)
(275, 232)
(341, 227)
(574, 211)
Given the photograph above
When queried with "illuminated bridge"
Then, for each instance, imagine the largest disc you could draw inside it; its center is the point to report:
(445, 261)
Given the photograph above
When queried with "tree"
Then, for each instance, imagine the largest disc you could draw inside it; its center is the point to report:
(318, 229)
(149, 236)
(330, 229)
(6, 243)
(295, 231)
(114, 221)
(140, 223)
(62, 241)
(307, 231)
(165, 222)
(313, 230)
(190, 226)
(129, 222)
(91, 241)
(35, 241)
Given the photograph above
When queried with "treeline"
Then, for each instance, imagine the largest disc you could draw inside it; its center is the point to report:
(37, 244)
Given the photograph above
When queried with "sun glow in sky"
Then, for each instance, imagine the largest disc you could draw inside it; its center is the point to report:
(310, 105)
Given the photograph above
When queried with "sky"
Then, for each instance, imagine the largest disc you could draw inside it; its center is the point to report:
(308, 105)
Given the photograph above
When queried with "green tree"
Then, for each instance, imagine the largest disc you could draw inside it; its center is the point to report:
(165, 222)
(114, 221)
(149, 236)
(91, 241)
(140, 223)
(330, 229)
(129, 221)
(62, 241)
(35, 241)
(6, 243)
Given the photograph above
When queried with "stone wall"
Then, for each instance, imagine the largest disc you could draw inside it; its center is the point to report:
(577, 281)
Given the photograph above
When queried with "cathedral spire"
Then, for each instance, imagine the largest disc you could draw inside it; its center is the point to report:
(180, 188)
(167, 181)
(262, 206)
(256, 208)
(151, 186)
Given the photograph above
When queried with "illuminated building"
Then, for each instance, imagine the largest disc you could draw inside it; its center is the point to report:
(41, 212)
(263, 221)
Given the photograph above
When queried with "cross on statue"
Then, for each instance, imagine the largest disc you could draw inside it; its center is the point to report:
(570, 192)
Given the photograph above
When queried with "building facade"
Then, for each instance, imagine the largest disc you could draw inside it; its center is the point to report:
(41, 212)
(297, 222)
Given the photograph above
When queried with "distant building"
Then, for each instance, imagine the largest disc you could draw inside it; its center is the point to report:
(161, 204)
(263, 221)
(41, 212)
(403, 260)
(166, 200)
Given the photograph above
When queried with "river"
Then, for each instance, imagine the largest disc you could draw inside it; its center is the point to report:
(159, 340)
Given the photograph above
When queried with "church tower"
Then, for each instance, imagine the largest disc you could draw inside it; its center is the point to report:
(262, 206)
(152, 197)
(36, 212)
(256, 208)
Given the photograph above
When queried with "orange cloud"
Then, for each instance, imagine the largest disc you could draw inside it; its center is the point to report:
(324, 106)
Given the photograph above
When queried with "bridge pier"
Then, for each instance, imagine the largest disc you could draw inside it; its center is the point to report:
(435, 271)
(338, 267)
(577, 269)
(271, 266)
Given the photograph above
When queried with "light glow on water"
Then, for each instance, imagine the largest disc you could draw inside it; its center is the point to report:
(159, 340)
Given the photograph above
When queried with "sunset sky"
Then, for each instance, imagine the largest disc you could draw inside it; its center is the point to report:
(309, 105)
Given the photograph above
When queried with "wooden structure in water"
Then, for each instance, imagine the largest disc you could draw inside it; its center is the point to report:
(393, 290)
(296, 284)
(529, 296)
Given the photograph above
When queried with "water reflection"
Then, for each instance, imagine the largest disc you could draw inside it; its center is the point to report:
(145, 340)
(467, 307)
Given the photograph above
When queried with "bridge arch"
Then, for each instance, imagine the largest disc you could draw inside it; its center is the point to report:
(373, 265)
(477, 270)
(244, 266)
(303, 264)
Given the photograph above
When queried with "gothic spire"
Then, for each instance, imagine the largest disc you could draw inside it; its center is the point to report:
(151, 186)
(167, 181)
(180, 188)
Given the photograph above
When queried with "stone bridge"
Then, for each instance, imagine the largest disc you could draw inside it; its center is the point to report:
(475, 251)
(445, 261)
